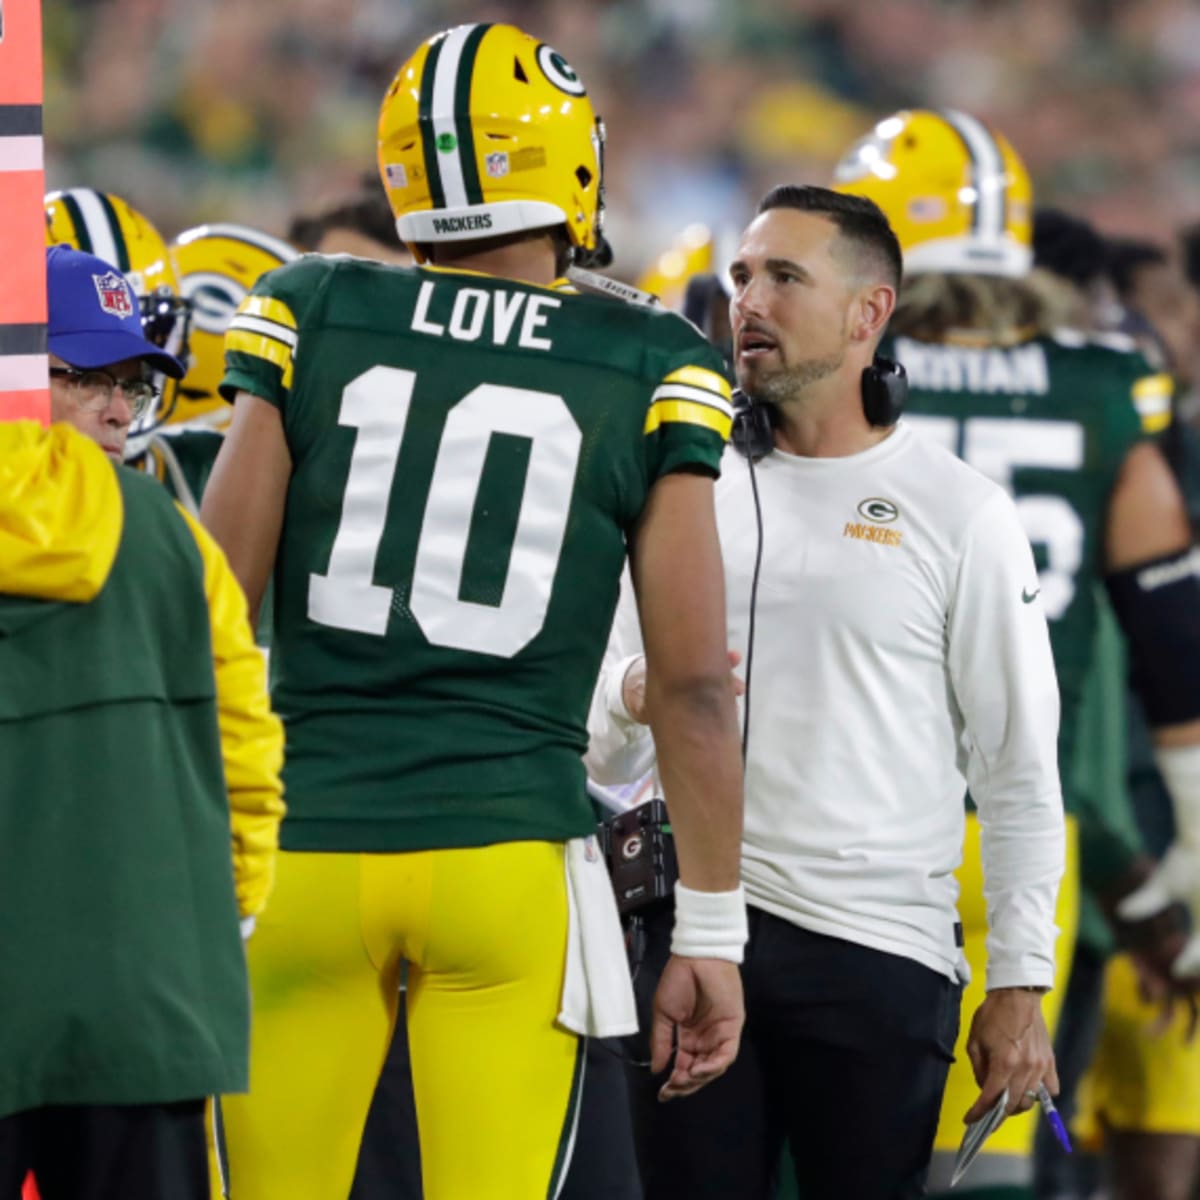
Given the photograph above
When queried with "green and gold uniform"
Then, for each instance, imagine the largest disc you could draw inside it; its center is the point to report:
(1051, 419)
(1144, 1076)
(469, 456)
(182, 460)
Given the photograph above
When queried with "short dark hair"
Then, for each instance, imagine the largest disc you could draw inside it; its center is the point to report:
(1126, 257)
(859, 220)
(365, 211)
(1067, 246)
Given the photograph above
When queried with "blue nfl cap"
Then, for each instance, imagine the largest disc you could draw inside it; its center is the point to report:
(94, 316)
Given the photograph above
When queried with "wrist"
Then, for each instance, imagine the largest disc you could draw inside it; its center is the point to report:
(1030, 989)
(616, 688)
(710, 924)
(1180, 769)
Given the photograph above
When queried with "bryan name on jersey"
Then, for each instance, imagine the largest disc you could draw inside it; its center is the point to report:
(1051, 420)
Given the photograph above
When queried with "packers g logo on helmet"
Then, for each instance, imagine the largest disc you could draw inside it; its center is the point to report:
(218, 265)
(485, 132)
(954, 191)
(106, 226)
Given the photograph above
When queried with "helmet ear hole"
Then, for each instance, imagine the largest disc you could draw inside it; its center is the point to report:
(584, 176)
(519, 71)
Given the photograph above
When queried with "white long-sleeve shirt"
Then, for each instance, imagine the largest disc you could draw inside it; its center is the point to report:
(900, 654)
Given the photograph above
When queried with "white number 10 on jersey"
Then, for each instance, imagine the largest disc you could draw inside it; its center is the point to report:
(377, 405)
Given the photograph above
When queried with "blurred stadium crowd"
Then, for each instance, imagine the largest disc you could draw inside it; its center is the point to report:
(245, 112)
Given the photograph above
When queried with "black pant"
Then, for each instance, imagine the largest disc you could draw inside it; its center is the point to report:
(845, 1053)
(107, 1152)
(602, 1165)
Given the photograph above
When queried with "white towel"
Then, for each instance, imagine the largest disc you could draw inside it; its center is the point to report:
(597, 996)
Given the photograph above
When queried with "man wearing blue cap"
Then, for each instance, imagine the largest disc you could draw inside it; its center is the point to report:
(101, 363)
(140, 797)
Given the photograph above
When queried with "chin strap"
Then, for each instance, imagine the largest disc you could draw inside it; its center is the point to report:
(602, 285)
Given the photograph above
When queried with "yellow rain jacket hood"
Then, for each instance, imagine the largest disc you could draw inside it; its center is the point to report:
(61, 515)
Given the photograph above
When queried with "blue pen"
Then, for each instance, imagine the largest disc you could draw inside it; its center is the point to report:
(1056, 1122)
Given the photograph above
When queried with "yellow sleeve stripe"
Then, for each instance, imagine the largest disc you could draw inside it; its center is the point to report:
(688, 412)
(1152, 399)
(679, 391)
(261, 346)
(281, 333)
(701, 377)
(1153, 387)
(269, 307)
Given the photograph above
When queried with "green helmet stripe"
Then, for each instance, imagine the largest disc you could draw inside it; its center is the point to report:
(118, 234)
(78, 224)
(437, 194)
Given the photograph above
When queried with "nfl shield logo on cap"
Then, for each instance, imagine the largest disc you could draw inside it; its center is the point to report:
(497, 164)
(114, 294)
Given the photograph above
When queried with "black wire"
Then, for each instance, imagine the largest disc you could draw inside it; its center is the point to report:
(758, 553)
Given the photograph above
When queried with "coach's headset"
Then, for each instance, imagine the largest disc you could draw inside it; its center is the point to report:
(884, 392)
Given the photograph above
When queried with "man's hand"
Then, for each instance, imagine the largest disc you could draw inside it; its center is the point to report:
(1158, 940)
(633, 687)
(698, 1009)
(1009, 1047)
(1176, 878)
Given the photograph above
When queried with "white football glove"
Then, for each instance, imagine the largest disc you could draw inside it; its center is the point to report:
(1177, 876)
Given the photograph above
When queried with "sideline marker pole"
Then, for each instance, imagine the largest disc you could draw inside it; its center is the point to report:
(24, 382)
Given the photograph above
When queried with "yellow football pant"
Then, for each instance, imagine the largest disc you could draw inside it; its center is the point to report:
(1143, 1078)
(496, 1082)
(1015, 1136)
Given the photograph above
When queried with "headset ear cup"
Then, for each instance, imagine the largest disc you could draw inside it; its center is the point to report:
(884, 392)
(753, 432)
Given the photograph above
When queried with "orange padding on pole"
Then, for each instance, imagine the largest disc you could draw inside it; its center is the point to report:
(22, 247)
(21, 52)
(22, 185)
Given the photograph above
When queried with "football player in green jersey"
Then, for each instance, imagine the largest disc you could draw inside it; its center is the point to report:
(445, 465)
(1059, 419)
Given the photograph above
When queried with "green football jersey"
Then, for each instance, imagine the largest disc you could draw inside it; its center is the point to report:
(469, 455)
(1051, 420)
(182, 460)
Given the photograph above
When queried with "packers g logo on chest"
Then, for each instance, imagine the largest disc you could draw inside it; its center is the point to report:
(879, 512)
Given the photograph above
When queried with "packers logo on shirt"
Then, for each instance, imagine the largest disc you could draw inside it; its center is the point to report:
(876, 509)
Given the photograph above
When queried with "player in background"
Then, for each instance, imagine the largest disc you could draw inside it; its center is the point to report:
(218, 264)
(445, 466)
(360, 223)
(1054, 417)
(1140, 1100)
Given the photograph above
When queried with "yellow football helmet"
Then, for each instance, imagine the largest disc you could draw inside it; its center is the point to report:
(692, 253)
(106, 226)
(218, 265)
(484, 132)
(955, 192)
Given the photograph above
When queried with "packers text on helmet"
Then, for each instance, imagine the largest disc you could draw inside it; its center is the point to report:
(486, 132)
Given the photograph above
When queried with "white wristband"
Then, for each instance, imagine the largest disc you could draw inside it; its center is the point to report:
(1180, 769)
(615, 688)
(710, 924)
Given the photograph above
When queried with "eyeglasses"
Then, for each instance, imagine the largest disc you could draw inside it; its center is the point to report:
(94, 390)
